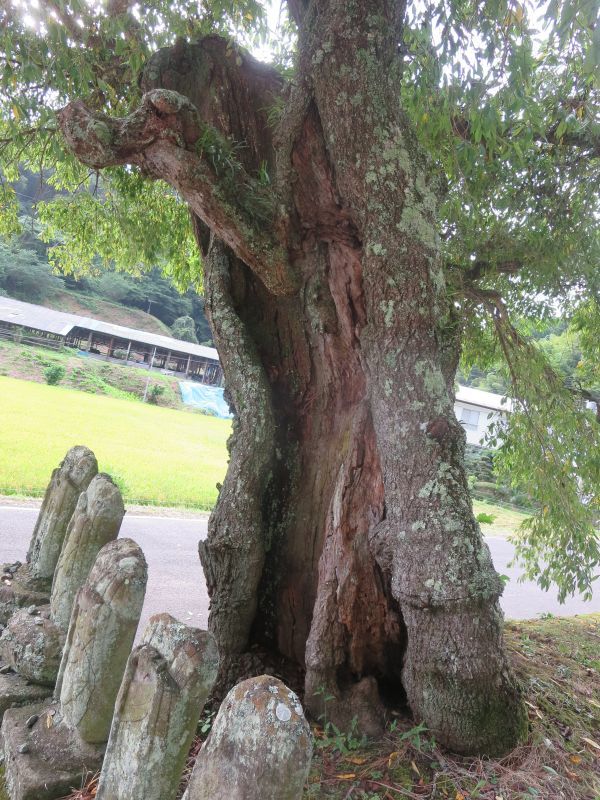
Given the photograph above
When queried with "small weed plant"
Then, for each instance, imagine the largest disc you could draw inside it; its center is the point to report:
(54, 374)
(416, 737)
(205, 723)
(155, 392)
(485, 519)
(342, 742)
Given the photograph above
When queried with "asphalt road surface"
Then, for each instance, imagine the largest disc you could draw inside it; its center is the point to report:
(176, 582)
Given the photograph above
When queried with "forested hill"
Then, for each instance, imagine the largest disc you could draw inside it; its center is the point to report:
(148, 302)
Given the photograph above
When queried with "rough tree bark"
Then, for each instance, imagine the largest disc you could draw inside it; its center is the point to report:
(343, 539)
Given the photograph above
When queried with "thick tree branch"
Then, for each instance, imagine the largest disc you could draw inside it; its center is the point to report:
(465, 280)
(118, 7)
(479, 269)
(164, 137)
(586, 141)
(86, 32)
(66, 19)
(101, 141)
(297, 9)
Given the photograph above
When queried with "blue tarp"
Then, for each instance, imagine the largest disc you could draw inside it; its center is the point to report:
(208, 398)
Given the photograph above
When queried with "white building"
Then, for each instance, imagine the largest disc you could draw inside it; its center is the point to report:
(476, 410)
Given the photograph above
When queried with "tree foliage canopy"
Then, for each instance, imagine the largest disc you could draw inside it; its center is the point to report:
(504, 96)
(184, 328)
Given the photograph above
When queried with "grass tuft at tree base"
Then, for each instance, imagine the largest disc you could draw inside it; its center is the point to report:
(557, 661)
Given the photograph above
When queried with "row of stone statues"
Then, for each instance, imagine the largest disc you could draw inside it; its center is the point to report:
(77, 700)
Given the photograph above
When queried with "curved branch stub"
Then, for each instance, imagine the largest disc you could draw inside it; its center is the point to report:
(160, 137)
(88, 137)
(101, 141)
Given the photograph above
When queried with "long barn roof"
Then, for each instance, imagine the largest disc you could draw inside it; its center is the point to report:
(60, 323)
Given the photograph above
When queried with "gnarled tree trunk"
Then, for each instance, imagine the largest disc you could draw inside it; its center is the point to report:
(343, 539)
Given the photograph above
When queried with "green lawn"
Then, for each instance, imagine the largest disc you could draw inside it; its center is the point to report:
(159, 456)
(507, 519)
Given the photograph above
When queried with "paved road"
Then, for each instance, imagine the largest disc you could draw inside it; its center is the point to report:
(176, 582)
(175, 578)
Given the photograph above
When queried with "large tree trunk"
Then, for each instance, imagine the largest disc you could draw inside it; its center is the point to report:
(343, 540)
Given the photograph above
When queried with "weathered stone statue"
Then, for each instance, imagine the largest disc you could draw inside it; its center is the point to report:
(167, 681)
(260, 746)
(51, 747)
(103, 625)
(96, 521)
(71, 478)
(22, 585)
(33, 640)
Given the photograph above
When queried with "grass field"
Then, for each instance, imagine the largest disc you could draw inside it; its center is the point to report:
(159, 456)
(507, 519)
